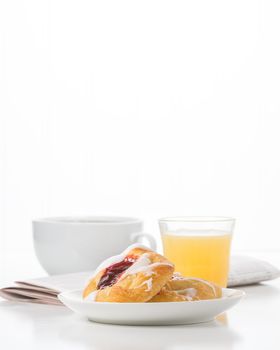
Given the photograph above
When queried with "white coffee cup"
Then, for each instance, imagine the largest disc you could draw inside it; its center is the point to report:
(72, 244)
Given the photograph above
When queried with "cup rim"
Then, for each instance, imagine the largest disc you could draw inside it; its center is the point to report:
(199, 219)
(89, 220)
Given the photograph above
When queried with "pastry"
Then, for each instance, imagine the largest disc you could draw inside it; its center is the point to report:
(166, 295)
(180, 288)
(136, 275)
(193, 288)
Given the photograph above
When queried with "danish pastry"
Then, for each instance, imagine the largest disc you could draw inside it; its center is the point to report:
(193, 288)
(166, 295)
(136, 275)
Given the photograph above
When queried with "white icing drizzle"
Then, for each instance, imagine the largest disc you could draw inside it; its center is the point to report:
(189, 293)
(143, 264)
(203, 281)
(148, 269)
(116, 258)
(149, 284)
(149, 273)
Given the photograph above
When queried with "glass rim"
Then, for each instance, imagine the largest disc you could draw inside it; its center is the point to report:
(200, 219)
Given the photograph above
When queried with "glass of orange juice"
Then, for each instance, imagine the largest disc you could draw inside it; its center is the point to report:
(199, 246)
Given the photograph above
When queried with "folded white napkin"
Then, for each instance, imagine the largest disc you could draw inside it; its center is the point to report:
(244, 270)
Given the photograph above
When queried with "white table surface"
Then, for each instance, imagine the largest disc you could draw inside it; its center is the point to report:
(252, 324)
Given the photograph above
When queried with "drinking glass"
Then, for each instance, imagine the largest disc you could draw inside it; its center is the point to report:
(199, 246)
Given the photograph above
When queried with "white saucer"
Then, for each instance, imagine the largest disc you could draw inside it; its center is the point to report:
(151, 313)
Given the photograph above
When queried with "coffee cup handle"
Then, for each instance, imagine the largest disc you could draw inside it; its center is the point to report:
(135, 237)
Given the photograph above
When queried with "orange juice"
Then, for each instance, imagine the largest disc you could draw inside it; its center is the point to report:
(202, 256)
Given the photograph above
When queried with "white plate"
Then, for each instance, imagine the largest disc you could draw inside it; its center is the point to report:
(151, 313)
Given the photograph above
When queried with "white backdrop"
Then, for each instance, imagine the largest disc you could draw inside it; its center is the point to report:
(144, 108)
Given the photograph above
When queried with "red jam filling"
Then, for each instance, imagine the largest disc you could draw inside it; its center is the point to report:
(114, 272)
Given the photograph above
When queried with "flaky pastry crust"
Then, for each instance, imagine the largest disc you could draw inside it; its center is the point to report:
(166, 295)
(143, 274)
(193, 288)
